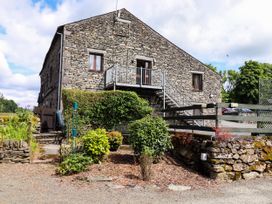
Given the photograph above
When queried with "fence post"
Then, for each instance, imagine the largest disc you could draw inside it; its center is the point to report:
(216, 113)
(216, 119)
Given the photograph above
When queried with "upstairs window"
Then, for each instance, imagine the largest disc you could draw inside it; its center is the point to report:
(197, 82)
(95, 62)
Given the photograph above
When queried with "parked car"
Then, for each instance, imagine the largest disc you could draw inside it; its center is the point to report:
(235, 111)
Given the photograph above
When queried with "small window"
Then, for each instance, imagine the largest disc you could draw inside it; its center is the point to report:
(197, 82)
(95, 62)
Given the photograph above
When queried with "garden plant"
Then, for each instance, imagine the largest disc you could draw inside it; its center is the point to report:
(115, 140)
(150, 132)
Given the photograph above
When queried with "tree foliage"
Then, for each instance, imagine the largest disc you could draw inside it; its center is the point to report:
(246, 87)
(213, 68)
(7, 106)
(229, 79)
(242, 86)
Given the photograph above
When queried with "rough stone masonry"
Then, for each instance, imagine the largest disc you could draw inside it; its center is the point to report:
(120, 44)
(234, 159)
(14, 152)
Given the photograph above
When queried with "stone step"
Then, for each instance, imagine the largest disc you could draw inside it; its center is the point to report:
(48, 138)
(46, 135)
(47, 141)
(42, 137)
(125, 147)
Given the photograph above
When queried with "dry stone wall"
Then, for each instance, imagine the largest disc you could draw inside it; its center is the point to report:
(14, 152)
(240, 158)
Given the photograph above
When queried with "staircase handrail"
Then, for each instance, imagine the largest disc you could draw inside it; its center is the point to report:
(178, 105)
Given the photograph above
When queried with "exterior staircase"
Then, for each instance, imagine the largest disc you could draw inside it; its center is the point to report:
(171, 103)
(53, 137)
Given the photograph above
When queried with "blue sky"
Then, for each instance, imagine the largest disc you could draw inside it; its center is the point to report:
(222, 33)
(50, 3)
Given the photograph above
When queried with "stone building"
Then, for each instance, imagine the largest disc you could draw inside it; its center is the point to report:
(116, 50)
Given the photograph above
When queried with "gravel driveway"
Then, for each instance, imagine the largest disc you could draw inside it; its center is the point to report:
(36, 183)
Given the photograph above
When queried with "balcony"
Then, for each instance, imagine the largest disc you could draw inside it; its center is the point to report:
(136, 77)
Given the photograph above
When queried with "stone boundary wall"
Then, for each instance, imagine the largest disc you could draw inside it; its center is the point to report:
(14, 152)
(233, 159)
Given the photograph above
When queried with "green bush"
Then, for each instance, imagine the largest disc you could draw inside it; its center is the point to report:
(74, 163)
(104, 109)
(96, 144)
(149, 132)
(115, 140)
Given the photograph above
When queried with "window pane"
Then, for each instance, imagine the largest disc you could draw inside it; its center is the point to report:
(98, 63)
(91, 61)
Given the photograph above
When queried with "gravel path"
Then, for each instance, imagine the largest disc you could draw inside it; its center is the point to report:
(37, 183)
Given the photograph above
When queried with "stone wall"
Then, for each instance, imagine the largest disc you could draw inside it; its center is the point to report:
(48, 96)
(14, 152)
(234, 159)
(122, 44)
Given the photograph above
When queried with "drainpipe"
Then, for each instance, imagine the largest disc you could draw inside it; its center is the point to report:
(60, 70)
(164, 92)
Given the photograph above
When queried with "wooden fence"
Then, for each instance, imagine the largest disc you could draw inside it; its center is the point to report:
(178, 120)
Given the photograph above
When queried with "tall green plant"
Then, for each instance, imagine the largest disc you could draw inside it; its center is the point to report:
(14, 130)
(19, 126)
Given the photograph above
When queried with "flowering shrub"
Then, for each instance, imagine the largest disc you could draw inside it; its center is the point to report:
(222, 135)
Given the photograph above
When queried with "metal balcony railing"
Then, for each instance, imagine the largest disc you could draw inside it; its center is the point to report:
(134, 77)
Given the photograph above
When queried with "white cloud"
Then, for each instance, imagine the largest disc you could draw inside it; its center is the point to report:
(23, 89)
(22, 98)
(224, 32)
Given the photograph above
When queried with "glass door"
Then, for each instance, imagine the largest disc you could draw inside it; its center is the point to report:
(143, 75)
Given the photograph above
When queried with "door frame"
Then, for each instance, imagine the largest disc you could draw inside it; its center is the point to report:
(145, 73)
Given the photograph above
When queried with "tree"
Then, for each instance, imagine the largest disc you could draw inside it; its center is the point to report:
(213, 68)
(7, 106)
(246, 86)
(243, 86)
(228, 80)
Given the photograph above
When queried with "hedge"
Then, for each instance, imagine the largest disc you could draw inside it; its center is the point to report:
(105, 109)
